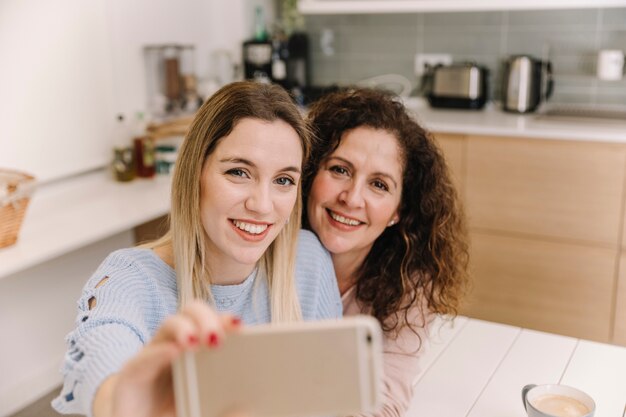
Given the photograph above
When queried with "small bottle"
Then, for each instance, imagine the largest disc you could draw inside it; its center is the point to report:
(144, 148)
(123, 164)
(260, 34)
(144, 155)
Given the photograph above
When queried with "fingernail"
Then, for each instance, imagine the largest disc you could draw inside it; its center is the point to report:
(236, 321)
(212, 340)
(193, 340)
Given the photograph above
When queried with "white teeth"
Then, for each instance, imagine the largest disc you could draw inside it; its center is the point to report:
(254, 229)
(344, 220)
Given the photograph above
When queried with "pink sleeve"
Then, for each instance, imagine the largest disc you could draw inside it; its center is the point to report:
(401, 363)
(401, 358)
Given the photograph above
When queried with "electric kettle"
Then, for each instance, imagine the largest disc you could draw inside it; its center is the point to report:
(526, 82)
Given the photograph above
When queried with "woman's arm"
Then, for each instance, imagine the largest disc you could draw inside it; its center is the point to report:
(401, 362)
(143, 387)
(401, 357)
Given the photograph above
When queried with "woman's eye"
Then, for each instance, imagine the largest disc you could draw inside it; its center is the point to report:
(237, 172)
(380, 185)
(285, 181)
(338, 169)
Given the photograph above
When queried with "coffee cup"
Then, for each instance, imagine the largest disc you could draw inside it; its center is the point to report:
(554, 400)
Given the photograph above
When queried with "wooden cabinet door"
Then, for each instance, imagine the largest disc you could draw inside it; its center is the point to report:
(550, 286)
(546, 188)
(453, 148)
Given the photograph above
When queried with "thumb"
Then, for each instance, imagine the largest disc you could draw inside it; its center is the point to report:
(153, 360)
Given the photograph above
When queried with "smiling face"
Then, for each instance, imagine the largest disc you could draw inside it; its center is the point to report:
(356, 192)
(249, 187)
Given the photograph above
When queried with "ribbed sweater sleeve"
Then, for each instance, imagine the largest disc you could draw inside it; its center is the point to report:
(125, 309)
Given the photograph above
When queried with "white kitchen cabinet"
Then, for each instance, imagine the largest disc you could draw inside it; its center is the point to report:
(425, 6)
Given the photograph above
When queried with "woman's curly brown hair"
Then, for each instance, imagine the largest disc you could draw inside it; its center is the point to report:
(423, 259)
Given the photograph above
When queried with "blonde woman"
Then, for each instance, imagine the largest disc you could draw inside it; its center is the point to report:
(229, 257)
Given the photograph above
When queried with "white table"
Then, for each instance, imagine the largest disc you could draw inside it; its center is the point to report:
(475, 368)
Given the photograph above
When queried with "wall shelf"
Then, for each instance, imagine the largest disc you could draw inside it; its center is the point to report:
(428, 6)
(69, 214)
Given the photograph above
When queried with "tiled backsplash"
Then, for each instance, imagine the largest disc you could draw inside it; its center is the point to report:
(369, 45)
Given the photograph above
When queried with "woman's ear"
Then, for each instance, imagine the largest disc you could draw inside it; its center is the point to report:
(394, 220)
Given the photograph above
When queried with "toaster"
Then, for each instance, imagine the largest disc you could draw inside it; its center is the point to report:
(458, 86)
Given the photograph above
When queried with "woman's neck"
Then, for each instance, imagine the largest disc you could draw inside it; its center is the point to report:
(220, 274)
(229, 274)
(346, 267)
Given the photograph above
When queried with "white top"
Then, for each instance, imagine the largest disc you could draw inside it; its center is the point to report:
(478, 368)
(492, 121)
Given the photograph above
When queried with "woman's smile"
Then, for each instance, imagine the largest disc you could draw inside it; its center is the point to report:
(250, 230)
(343, 221)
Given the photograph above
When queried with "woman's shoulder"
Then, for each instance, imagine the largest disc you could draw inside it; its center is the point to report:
(309, 243)
(134, 258)
(136, 264)
(311, 254)
(315, 279)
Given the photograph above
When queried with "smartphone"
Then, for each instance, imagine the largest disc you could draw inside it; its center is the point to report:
(303, 369)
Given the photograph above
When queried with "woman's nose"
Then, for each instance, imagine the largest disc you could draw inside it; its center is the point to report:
(259, 200)
(352, 195)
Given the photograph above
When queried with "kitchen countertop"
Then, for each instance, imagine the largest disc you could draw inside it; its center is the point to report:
(492, 121)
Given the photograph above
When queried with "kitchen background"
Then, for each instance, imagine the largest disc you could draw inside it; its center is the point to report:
(370, 45)
(69, 67)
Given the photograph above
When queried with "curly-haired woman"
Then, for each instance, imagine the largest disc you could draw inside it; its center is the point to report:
(380, 198)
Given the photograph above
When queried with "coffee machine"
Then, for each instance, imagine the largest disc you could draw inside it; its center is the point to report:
(257, 60)
(298, 61)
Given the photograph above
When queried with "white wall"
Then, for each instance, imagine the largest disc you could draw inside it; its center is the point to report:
(54, 83)
(69, 66)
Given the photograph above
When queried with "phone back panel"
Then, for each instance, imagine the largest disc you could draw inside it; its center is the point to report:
(303, 369)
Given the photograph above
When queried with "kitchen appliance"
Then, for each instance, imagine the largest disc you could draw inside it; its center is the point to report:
(170, 75)
(299, 61)
(458, 86)
(257, 60)
(526, 82)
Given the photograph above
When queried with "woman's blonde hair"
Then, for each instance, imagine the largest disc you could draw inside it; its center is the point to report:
(215, 120)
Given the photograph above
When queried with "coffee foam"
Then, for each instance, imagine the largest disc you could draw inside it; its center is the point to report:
(560, 406)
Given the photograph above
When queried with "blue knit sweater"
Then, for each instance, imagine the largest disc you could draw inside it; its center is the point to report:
(140, 293)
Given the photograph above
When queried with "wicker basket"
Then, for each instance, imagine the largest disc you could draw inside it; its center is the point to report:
(15, 191)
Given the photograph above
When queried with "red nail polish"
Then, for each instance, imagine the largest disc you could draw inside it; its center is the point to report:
(193, 340)
(236, 321)
(213, 340)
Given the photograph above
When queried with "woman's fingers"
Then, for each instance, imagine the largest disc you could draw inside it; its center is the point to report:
(196, 324)
(209, 327)
(178, 329)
